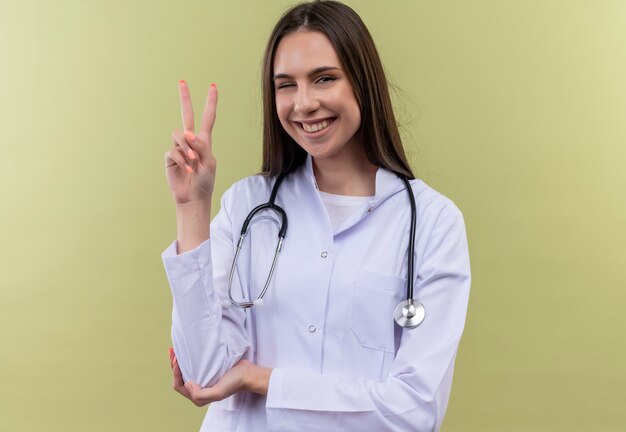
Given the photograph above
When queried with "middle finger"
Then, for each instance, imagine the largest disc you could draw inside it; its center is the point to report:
(210, 109)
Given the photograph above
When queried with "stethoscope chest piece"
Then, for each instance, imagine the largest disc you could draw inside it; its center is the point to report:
(409, 313)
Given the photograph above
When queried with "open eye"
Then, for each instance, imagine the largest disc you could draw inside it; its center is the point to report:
(326, 79)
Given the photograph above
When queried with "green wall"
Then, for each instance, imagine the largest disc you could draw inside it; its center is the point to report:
(515, 110)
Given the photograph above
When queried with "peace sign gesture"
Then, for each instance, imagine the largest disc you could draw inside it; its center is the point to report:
(189, 164)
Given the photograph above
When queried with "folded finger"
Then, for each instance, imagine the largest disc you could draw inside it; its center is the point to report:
(180, 139)
(178, 376)
(179, 384)
(175, 157)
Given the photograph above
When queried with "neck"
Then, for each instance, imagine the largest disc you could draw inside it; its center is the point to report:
(352, 176)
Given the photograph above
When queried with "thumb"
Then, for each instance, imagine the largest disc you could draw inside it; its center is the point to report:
(193, 144)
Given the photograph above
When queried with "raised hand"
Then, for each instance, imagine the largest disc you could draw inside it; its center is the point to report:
(189, 164)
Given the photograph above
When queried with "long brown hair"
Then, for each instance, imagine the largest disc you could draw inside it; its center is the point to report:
(359, 58)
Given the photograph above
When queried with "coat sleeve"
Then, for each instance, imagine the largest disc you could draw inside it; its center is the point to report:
(208, 338)
(414, 396)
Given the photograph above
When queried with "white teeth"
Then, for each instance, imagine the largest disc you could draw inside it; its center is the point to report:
(317, 126)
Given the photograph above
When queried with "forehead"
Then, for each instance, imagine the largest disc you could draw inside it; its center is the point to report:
(304, 50)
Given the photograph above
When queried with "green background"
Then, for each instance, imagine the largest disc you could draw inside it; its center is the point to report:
(516, 110)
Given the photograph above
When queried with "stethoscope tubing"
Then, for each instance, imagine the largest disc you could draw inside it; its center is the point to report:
(409, 313)
(279, 246)
(409, 290)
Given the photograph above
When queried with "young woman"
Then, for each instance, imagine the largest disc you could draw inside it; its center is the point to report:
(323, 352)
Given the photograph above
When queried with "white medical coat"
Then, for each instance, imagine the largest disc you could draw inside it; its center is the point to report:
(326, 327)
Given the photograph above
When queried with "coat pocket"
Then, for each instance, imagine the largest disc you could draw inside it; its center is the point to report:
(375, 295)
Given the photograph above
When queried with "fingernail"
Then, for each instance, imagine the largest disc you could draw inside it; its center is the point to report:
(213, 85)
(181, 82)
(171, 351)
(188, 168)
(190, 136)
(191, 154)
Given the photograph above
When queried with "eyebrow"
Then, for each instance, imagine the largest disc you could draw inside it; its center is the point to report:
(313, 72)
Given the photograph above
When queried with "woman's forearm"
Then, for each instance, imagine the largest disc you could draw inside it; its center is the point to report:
(257, 379)
(193, 221)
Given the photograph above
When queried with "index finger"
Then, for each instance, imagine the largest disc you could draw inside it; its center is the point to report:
(208, 116)
(185, 106)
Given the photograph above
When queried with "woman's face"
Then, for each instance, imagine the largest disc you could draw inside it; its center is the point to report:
(314, 99)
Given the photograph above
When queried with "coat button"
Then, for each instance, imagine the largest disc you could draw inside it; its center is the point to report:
(324, 254)
(312, 329)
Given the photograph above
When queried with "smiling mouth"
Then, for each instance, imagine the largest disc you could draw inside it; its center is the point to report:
(316, 127)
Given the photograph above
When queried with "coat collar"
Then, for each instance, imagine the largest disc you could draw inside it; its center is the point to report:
(387, 182)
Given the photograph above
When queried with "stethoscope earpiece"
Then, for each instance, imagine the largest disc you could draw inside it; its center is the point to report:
(409, 313)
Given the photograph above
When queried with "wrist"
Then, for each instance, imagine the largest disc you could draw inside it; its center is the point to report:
(195, 205)
(193, 220)
(257, 379)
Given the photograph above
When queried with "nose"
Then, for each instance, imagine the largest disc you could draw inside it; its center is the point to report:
(305, 100)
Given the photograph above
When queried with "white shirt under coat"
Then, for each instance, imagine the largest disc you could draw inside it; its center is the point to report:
(326, 327)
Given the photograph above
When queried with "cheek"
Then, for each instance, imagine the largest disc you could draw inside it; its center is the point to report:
(354, 116)
(282, 110)
(355, 110)
(350, 105)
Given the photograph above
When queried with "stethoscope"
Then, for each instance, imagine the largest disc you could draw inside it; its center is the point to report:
(408, 313)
